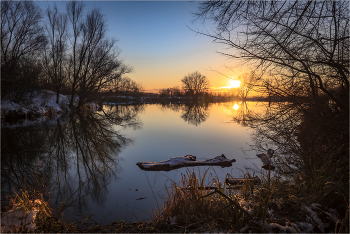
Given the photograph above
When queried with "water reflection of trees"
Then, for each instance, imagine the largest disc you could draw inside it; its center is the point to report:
(313, 140)
(274, 126)
(22, 158)
(74, 160)
(123, 115)
(192, 113)
(306, 138)
(240, 112)
(172, 106)
(195, 114)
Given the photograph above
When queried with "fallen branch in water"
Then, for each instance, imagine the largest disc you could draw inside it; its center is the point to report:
(186, 161)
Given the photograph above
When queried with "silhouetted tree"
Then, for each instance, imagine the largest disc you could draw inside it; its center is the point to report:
(298, 48)
(93, 59)
(176, 91)
(22, 40)
(247, 85)
(125, 84)
(55, 54)
(195, 83)
(170, 91)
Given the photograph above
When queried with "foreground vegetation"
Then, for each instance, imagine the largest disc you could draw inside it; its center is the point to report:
(194, 205)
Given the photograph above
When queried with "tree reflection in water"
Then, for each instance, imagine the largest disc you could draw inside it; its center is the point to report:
(312, 149)
(274, 127)
(306, 138)
(192, 113)
(73, 160)
(195, 113)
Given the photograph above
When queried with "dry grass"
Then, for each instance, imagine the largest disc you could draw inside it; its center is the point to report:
(274, 205)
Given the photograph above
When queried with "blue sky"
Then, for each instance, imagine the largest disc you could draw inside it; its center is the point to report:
(155, 39)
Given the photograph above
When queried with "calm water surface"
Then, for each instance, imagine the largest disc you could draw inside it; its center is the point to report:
(89, 162)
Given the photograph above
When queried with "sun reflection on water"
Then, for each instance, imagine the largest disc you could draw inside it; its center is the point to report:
(235, 106)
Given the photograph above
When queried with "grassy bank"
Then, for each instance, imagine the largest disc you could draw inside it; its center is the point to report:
(194, 205)
(275, 205)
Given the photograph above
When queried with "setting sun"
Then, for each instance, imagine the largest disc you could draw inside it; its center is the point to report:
(234, 83)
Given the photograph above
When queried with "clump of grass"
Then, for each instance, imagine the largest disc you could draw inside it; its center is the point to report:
(273, 205)
(192, 204)
(28, 211)
(23, 212)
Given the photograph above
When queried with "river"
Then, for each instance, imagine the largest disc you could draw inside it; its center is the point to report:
(87, 163)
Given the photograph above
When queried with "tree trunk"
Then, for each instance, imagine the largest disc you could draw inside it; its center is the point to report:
(57, 96)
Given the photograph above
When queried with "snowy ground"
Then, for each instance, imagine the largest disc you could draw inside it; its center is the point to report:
(39, 108)
(41, 104)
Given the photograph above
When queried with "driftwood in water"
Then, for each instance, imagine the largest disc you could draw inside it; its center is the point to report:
(265, 158)
(240, 181)
(186, 161)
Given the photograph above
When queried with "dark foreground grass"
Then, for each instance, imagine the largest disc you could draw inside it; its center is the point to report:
(199, 204)
(272, 206)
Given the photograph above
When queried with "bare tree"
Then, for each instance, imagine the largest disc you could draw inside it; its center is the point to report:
(22, 40)
(75, 15)
(55, 57)
(174, 91)
(93, 62)
(195, 83)
(298, 48)
(247, 84)
(125, 84)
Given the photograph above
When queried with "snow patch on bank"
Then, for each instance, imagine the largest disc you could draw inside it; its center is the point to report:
(312, 223)
(41, 107)
(42, 103)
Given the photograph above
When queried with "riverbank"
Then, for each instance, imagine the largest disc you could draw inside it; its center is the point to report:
(38, 107)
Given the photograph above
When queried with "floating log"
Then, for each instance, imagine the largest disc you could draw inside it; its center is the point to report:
(240, 181)
(185, 161)
(265, 158)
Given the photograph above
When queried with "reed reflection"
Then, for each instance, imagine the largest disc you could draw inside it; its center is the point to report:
(75, 159)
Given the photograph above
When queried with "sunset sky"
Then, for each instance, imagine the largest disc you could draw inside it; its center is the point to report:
(155, 39)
